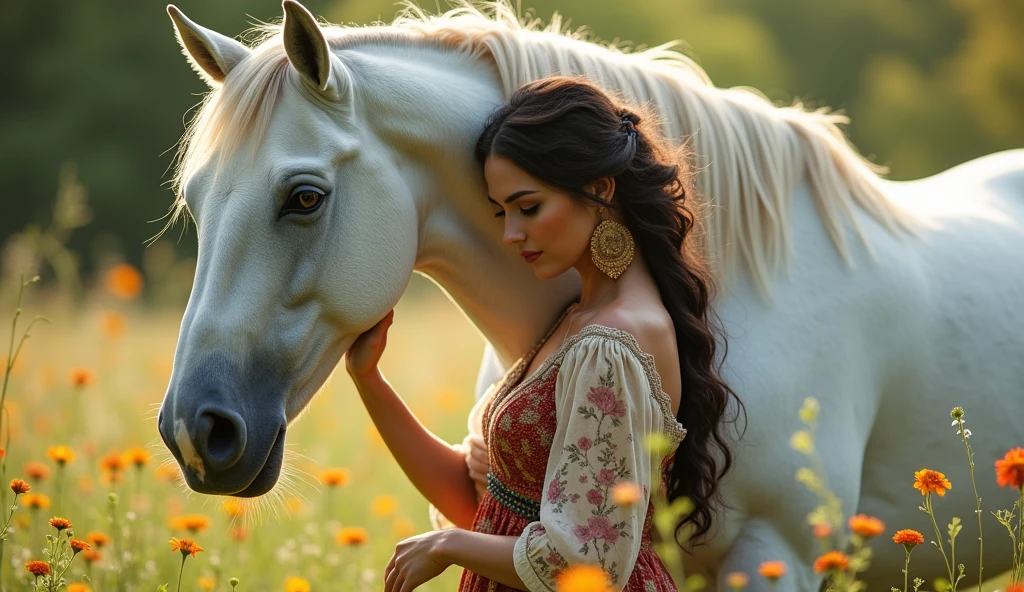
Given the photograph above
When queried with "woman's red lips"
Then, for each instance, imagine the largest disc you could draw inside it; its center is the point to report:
(531, 256)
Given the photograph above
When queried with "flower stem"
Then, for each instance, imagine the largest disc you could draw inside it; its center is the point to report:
(977, 499)
(180, 570)
(931, 514)
(906, 571)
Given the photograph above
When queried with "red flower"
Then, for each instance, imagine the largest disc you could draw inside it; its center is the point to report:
(595, 497)
(604, 399)
(598, 527)
(831, 561)
(585, 443)
(554, 490)
(37, 568)
(18, 486)
(606, 477)
(79, 545)
(60, 523)
(1010, 469)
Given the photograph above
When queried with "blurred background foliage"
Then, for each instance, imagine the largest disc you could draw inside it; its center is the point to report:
(96, 95)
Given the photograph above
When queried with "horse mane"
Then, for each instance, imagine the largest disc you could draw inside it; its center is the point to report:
(750, 155)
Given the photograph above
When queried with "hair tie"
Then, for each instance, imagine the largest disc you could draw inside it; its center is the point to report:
(629, 127)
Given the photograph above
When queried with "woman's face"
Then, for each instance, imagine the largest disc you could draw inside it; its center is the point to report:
(538, 218)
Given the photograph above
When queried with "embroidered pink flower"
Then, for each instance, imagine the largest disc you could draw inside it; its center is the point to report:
(583, 478)
(604, 399)
(606, 477)
(585, 443)
(554, 490)
(598, 527)
(595, 497)
(554, 558)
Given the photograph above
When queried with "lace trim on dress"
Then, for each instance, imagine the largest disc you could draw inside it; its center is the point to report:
(672, 428)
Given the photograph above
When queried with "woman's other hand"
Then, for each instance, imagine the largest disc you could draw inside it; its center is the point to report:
(361, 359)
(417, 560)
(476, 462)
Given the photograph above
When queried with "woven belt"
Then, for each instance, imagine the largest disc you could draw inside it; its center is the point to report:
(518, 503)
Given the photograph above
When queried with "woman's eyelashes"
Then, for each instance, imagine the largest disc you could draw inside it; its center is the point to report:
(523, 211)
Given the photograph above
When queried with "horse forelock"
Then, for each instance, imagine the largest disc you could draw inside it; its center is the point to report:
(750, 154)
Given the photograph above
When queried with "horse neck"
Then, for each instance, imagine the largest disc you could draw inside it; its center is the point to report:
(428, 107)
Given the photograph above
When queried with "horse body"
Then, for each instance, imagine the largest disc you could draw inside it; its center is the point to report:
(888, 345)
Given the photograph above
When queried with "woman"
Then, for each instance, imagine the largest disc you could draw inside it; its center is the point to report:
(580, 184)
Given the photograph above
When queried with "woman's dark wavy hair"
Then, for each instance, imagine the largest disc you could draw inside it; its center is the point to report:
(567, 133)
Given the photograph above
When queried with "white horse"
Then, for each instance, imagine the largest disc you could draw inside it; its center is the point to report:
(329, 163)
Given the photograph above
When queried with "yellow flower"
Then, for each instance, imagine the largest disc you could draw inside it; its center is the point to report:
(136, 456)
(79, 587)
(802, 442)
(36, 501)
(352, 535)
(583, 578)
(626, 493)
(207, 583)
(232, 507)
(296, 584)
(736, 580)
(384, 505)
(928, 481)
(191, 522)
(124, 281)
(61, 455)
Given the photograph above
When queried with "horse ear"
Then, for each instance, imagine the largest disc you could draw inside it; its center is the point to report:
(307, 48)
(211, 54)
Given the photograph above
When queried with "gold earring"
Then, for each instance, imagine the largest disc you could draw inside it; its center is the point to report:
(611, 246)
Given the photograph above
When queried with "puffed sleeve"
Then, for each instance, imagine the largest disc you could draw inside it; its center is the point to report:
(605, 407)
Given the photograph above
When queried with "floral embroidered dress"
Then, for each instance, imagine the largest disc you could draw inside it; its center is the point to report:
(559, 441)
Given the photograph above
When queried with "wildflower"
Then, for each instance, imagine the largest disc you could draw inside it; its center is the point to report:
(18, 486)
(929, 481)
(81, 377)
(37, 568)
(831, 561)
(92, 555)
(98, 538)
(866, 526)
(736, 580)
(626, 493)
(238, 533)
(138, 457)
(124, 281)
(352, 535)
(810, 409)
(169, 473)
(1015, 588)
(36, 471)
(79, 545)
(112, 462)
(908, 538)
(1010, 469)
(583, 578)
(772, 570)
(60, 523)
(403, 528)
(957, 413)
(61, 455)
(336, 477)
(384, 505)
(186, 546)
(293, 505)
(232, 507)
(79, 587)
(207, 583)
(36, 501)
(190, 522)
(296, 584)
(802, 442)
(112, 324)
(822, 530)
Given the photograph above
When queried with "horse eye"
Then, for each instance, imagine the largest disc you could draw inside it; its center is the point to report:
(304, 200)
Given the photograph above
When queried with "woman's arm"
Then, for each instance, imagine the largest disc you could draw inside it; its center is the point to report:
(436, 469)
(487, 555)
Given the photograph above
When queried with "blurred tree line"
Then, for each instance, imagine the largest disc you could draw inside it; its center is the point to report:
(103, 85)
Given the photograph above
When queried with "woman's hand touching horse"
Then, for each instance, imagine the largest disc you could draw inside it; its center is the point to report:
(362, 357)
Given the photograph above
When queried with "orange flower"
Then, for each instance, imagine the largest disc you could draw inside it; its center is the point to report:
(336, 477)
(36, 501)
(186, 546)
(1010, 469)
(1015, 588)
(79, 545)
(112, 462)
(191, 522)
(18, 486)
(352, 535)
(37, 568)
(124, 281)
(908, 538)
(207, 583)
(112, 324)
(136, 456)
(822, 530)
(36, 471)
(583, 578)
(403, 528)
(296, 584)
(384, 505)
(79, 587)
(772, 570)
(831, 561)
(81, 377)
(866, 526)
(92, 555)
(60, 523)
(98, 538)
(61, 455)
(928, 481)
(626, 493)
(238, 533)
(170, 473)
(232, 507)
(736, 580)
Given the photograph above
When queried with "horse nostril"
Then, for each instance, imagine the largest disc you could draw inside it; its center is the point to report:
(221, 438)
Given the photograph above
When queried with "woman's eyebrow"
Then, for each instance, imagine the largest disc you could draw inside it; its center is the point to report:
(514, 196)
